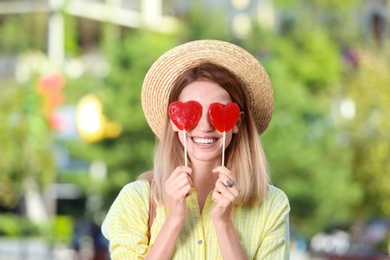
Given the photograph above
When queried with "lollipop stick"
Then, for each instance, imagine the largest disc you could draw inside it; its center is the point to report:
(223, 148)
(185, 147)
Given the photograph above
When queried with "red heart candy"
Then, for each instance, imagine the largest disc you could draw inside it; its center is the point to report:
(185, 115)
(223, 117)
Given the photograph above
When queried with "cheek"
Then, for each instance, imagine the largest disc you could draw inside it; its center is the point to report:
(178, 132)
(228, 140)
(180, 135)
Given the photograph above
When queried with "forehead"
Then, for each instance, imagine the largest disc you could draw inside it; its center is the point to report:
(205, 92)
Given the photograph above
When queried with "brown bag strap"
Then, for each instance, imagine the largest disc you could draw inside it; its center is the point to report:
(152, 210)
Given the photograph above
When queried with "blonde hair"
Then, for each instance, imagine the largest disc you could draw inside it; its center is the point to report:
(244, 156)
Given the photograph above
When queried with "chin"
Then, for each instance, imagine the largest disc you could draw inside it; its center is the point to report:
(207, 159)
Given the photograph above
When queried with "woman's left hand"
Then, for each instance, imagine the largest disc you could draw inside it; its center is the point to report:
(224, 196)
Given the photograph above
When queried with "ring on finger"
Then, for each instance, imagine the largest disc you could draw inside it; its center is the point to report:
(229, 183)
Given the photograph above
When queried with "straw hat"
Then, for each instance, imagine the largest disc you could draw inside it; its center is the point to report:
(161, 76)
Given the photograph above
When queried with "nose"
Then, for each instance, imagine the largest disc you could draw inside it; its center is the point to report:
(204, 124)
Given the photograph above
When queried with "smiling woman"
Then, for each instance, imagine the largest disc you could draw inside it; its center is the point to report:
(204, 209)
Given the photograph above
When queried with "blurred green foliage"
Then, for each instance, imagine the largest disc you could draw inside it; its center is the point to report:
(305, 156)
(201, 24)
(18, 33)
(368, 86)
(13, 225)
(26, 143)
(132, 152)
(56, 230)
(318, 4)
(60, 231)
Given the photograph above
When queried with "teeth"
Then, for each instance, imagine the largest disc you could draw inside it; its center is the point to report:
(204, 140)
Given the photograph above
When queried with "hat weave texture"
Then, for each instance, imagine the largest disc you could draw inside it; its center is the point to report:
(161, 76)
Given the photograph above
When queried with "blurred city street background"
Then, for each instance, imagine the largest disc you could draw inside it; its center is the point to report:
(72, 130)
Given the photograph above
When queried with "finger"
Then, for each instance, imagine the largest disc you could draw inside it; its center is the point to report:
(225, 181)
(179, 183)
(179, 172)
(221, 200)
(181, 169)
(216, 197)
(179, 179)
(230, 183)
(174, 188)
(226, 192)
(185, 191)
(223, 171)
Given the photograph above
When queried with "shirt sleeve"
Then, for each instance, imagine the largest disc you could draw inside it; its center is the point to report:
(276, 244)
(126, 224)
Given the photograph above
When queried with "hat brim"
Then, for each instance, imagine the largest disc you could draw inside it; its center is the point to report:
(161, 76)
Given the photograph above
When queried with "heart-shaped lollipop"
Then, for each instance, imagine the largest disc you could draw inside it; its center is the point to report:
(223, 117)
(185, 115)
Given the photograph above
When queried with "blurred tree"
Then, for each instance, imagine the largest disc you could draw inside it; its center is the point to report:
(129, 56)
(332, 4)
(368, 87)
(71, 45)
(319, 4)
(22, 32)
(302, 143)
(204, 24)
(25, 143)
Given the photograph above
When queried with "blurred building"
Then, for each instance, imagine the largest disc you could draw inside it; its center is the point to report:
(240, 14)
(164, 16)
(158, 15)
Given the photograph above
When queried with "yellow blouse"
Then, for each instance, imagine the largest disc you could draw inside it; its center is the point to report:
(263, 229)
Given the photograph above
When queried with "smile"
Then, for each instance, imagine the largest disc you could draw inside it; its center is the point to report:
(204, 141)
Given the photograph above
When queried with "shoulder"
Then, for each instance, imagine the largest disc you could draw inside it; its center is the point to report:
(276, 201)
(277, 194)
(135, 189)
(132, 198)
(134, 195)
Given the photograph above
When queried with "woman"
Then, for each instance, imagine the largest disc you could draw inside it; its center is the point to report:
(204, 210)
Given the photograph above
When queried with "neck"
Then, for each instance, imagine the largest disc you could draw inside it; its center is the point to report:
(203, 177)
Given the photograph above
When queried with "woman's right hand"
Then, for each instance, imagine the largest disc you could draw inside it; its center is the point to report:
(177, 188)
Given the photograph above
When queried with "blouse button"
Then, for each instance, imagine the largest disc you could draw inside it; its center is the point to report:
(199, 242)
